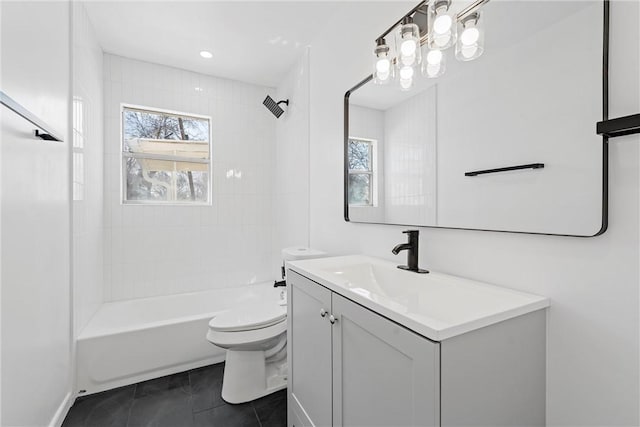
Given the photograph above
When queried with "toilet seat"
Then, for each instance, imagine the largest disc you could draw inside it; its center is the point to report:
(257, 339)
(248, 318)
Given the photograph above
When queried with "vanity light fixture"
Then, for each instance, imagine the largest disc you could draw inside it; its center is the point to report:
(470, 44)
(409, 43)
(382, 66)
(406, 77)
(434, 64)
(441, 22)
(422, 37)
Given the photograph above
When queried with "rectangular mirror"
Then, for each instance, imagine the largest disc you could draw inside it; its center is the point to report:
(506, 142)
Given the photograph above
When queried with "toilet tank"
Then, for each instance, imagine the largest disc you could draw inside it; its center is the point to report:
(296, 253)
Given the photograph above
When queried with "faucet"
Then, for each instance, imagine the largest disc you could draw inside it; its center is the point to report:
(412, 252)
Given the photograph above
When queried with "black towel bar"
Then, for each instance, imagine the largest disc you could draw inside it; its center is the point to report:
(506, 169)
(626, 125)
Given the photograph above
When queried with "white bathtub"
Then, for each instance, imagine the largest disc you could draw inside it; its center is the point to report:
(130, 341)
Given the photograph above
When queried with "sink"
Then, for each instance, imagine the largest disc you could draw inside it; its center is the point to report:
(436, 305)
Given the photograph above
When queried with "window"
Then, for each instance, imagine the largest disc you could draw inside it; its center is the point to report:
(165, 157)
(361, 171)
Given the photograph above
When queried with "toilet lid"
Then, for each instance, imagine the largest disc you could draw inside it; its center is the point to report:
(249, 317)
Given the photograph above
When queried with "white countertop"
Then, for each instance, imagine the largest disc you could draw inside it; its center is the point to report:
(437, 306)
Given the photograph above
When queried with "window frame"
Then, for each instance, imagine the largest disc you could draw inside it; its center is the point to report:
(372, 171)
(123, 156)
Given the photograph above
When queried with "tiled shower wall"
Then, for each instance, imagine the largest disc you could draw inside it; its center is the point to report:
(160, 250)
(291, 207)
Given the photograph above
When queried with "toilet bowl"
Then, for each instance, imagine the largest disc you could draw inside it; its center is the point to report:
(255, 336)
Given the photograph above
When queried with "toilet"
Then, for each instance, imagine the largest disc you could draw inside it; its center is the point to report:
(255, 337)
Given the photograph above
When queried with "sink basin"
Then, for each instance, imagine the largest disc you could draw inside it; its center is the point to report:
(435, 305)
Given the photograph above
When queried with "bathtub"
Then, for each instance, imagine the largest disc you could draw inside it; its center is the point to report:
(135, 340)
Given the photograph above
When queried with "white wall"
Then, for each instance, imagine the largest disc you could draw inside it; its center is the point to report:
(35, 216)
(88, 169)
(291, 168)
(410, 179)
(592, 352)
(159, 250)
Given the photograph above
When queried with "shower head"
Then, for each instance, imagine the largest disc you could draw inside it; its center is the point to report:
(274, 106)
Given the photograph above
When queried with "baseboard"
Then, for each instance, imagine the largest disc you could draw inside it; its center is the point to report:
(62, 410)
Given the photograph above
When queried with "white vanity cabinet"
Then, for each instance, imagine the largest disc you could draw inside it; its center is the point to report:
(350, 366)
(309, 338)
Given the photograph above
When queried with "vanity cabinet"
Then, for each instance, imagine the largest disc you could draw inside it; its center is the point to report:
(350, 366)
(309, 338)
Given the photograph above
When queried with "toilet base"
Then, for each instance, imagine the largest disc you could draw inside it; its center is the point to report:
(248, 376)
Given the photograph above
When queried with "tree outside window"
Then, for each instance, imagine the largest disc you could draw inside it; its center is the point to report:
(166, 157)
(361, 173)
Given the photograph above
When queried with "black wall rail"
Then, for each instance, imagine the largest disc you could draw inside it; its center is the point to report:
(506, 169)
(621, 126)
(46, 133)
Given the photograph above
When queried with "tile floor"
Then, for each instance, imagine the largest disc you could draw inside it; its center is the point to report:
(185, 399)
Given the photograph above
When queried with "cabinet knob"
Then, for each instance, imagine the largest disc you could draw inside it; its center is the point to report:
(332, 319)
(323, 312)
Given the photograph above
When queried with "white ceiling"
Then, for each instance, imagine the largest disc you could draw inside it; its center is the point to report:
(255, 42)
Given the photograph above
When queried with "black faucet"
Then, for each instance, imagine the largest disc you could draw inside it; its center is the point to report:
(412, 252)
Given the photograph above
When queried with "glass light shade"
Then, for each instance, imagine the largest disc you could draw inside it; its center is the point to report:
(442, 29)
(434, 63)
(408, 41)
(470, 43)
(382, 66)
(406, 72)
(406, 84)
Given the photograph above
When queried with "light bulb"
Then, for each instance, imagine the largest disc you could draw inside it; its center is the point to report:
(470, 36)
(206, 54)
(408, 47)
(434, 57)
(383, 65)
(435, 63)
(406, 73)
(442, 24)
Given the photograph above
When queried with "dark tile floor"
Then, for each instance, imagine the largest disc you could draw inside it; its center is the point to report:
(185, 399)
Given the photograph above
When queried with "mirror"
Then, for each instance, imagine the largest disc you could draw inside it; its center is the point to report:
(529, 104)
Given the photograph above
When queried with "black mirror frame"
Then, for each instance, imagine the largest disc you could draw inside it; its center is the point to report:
(605, 147)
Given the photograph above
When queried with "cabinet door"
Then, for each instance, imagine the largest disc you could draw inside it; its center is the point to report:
(383, 374)
(309, 352)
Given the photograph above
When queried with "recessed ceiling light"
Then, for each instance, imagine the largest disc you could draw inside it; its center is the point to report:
(206, 54)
